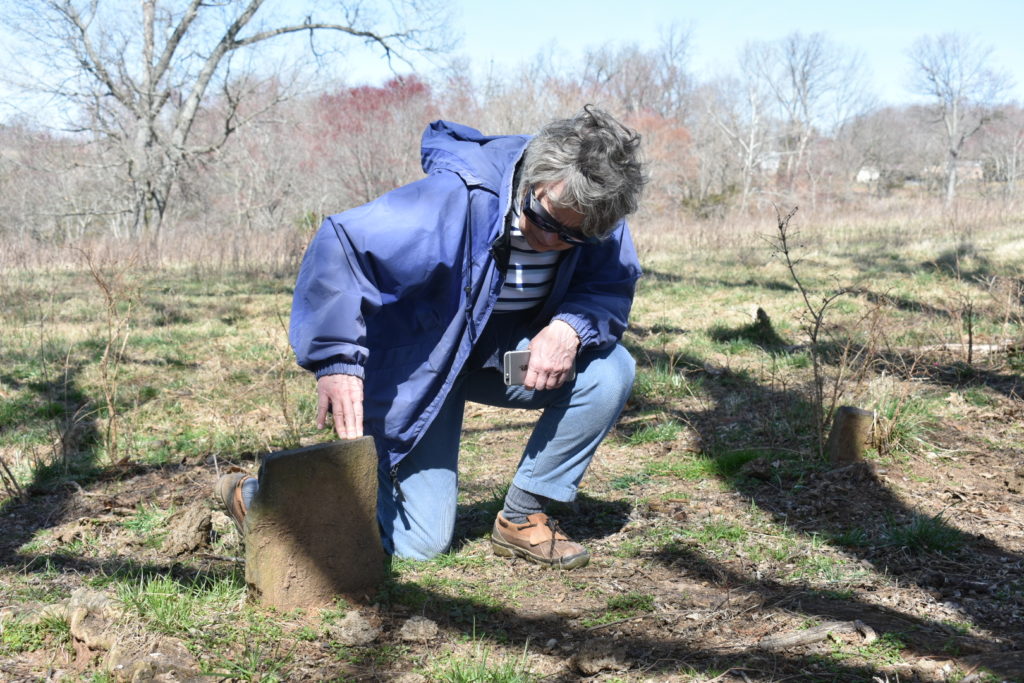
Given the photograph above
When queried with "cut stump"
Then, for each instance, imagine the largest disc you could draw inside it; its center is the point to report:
(851, 433)
(311, 531)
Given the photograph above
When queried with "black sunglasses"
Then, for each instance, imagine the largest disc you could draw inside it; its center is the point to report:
(539, 216)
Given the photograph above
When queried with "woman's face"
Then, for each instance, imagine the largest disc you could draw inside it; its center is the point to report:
(542, 240)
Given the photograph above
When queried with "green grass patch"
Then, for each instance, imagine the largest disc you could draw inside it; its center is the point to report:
(621, 607)
(180, 607)
(713, 532)
(259, 661)
(855, 537)
(903, 424)
(756, 335)
(662, 380)
(925, 534)
(821, 567)
(147, 519)
(482, 665)
(18, 636)
(664, 431)
(631, 602)
(885, 651)
(978, 397)
(723, 465)
(626, 481)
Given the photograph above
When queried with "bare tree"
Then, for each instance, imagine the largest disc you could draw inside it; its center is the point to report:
(954, 71)
(139, 78)
(642, 81)
(816, 84)
(1002, 145)
(739, 108)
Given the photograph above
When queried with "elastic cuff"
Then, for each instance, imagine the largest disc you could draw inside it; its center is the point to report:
(577, 323)
(339, 368)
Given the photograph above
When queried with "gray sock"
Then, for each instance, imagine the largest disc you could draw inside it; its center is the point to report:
(520, 503)
(249, 488)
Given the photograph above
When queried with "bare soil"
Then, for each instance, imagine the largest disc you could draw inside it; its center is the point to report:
(709, 604)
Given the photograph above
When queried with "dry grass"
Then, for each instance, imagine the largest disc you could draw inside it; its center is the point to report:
(710, 521)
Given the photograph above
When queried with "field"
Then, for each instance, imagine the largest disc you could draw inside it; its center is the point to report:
(726, 548)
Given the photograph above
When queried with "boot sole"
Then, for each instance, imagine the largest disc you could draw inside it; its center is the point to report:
(504, 549)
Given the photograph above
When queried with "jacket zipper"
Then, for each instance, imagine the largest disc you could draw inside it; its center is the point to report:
(394, 482)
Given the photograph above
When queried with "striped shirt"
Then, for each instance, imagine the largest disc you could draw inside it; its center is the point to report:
(529, 276)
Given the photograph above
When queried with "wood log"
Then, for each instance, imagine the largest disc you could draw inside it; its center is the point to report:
(784, 641)
(311, 531)
(851, 432)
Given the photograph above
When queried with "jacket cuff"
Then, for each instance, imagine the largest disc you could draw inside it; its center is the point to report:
(338, 368)
(580, 325)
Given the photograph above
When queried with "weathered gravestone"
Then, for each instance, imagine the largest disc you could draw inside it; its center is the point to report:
(851, 433)
(311, 531)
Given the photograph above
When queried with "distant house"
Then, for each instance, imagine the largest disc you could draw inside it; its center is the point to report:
(867, 174)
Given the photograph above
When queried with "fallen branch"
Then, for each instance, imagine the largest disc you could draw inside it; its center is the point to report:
(784, 641)
(977, 348)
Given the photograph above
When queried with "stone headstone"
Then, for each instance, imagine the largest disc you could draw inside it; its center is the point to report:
(311, 531)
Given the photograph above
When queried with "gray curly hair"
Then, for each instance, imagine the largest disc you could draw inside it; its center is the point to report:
(599, 161)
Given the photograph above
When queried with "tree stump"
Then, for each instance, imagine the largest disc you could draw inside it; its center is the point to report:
(311, 531)
(851, 432)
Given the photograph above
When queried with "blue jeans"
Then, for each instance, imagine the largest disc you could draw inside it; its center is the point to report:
(576, 418)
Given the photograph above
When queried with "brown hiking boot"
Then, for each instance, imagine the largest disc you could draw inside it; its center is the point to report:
(229, 490)
(538, 540)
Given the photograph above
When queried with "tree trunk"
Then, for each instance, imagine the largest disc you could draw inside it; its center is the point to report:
(951, 179)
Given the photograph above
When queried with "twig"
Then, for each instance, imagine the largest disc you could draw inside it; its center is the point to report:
(817, 315)
(727, 672)
(638, 616)
(11, 484)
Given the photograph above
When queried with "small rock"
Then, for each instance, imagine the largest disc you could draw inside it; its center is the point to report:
(166, 659)
(418, 630)
(96, 602)
(601, 654)
(354, 629)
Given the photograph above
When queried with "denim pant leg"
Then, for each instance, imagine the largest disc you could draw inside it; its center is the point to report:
(421, 525)
(576, 418)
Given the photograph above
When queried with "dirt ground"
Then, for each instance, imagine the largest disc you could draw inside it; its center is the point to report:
(708, 605)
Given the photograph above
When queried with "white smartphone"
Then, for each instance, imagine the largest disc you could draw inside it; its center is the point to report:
(518, 362)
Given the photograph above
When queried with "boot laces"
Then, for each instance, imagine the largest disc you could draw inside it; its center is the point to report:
(555, 530)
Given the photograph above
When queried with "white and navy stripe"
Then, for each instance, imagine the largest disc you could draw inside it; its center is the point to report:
(529, 276)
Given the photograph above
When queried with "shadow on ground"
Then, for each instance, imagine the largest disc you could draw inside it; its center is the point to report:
(853, 509)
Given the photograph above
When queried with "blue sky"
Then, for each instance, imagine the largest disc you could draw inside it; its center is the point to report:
(881, 30)
(507, 33)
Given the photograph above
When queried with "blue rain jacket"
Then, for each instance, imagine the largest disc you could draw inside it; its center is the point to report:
(398, 290)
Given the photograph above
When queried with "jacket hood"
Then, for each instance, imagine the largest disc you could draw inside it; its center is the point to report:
(482, 160)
